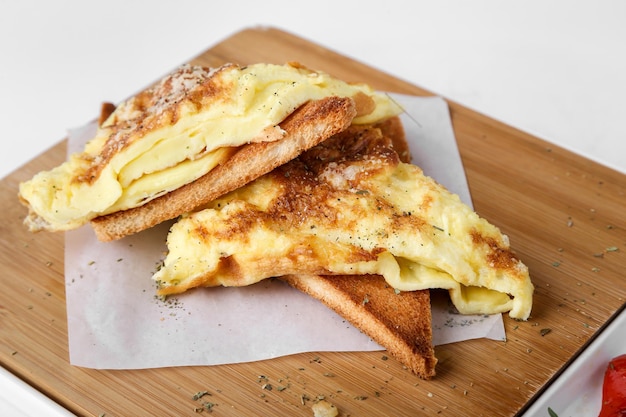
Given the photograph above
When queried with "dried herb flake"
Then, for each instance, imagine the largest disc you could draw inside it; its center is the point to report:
(199, 395)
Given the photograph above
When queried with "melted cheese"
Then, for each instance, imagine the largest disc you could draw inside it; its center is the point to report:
(178, 131)
(374, 215)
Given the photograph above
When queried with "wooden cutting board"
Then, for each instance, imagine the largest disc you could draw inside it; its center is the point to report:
(565, 216)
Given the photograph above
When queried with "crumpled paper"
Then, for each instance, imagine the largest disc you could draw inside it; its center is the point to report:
(116, 322)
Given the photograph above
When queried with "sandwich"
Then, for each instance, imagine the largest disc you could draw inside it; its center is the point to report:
(192, 137)
(352, 224)
(282, 171)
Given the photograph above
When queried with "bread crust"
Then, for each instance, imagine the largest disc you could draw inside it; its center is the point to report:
(398, 321)
(307, 126)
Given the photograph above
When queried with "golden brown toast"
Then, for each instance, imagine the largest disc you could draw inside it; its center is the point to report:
(309, 125)
(398, 321)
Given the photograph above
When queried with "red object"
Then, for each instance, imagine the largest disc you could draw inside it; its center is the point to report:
(614, 388)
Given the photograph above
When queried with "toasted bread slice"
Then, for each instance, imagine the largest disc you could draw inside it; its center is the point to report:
(398, 321)
(309, 125)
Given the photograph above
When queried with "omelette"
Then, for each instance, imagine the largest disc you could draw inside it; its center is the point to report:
(349, 206)
(184, 127)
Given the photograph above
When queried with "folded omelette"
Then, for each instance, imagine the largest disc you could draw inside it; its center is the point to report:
(179, 130)
(350, 210)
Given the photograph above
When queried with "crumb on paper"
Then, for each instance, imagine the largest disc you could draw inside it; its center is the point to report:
(323, 408)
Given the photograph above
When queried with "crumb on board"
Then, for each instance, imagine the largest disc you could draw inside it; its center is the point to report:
(323, 408)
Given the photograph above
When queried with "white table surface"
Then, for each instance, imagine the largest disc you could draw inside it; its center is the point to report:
(555, 69)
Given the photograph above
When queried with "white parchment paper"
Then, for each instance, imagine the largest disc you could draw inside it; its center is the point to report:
(116, 322)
